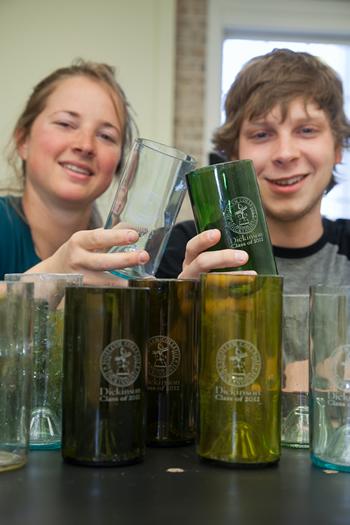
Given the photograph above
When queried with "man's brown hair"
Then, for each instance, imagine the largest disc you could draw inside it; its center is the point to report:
(278, 78)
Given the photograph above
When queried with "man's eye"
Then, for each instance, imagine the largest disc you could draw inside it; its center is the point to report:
(260, 135)
(308, 130)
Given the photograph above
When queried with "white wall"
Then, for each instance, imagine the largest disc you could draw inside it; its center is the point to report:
(135, 36)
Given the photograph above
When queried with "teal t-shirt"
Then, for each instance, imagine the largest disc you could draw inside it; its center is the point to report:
(17, 252)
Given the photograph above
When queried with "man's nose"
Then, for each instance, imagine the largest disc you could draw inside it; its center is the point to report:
(286, 150)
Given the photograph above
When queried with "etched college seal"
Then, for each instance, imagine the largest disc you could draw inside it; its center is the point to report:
(238, 363)
(163, 356)
(341, 367)
(120, 362)
(241, 215)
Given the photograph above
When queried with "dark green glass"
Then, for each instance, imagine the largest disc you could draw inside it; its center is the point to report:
(171, 361)
(240, 369)
(226, 196)
(103, 388)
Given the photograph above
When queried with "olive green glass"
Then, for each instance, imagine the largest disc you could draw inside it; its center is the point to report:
(226, 196)
(240, 369)
(103, 388)
(171, 361)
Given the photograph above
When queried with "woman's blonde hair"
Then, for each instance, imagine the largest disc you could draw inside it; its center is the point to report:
(99, 72)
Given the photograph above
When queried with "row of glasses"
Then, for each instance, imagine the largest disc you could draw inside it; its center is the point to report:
(131, 377)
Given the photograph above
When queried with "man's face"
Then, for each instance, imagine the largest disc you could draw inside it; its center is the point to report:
(293, 159)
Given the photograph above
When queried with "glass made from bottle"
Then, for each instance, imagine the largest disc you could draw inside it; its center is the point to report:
(106, 330)
(46, 418)
(330, 377)
(295, 382)
(226, 196)
(16, 309)
(148, 200)
(171, 361)
(240, 369)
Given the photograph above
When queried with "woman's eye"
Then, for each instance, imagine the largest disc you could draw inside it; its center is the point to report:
(108, 138)
(308, 130)
(64, 124)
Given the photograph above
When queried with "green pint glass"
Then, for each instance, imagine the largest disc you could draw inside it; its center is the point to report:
(171, 361)
(226, 196)
(240, 369)
(103, 388)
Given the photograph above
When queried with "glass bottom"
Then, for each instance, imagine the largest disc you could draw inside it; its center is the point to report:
(94, 463)
(45, 429)
(325, 465)
(11, 461)
(237, 465)
(54, 445)
(168, 443)
(335, 453)
(132, 273)
(287, 444)
(295, 428)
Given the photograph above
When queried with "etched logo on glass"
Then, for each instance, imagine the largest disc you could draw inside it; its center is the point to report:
(120, 362)
(241, 215)
(238, 363)
(163, 356)
(341, 367)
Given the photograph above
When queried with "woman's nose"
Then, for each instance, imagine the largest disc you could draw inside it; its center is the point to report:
(84, 144)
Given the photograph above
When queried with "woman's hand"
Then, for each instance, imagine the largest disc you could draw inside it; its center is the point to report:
(85, 253)
(198, 260)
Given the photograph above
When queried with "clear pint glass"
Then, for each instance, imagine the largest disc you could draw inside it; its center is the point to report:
(46, 417)
(148, 199)
(330, 377)
(295, 381)
(16, 308)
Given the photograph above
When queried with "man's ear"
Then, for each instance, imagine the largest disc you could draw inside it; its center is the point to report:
(338, 154)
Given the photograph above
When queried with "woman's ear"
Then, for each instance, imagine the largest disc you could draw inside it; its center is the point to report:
(21, 144)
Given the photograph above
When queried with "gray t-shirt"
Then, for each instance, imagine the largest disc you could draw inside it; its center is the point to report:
(325, 262)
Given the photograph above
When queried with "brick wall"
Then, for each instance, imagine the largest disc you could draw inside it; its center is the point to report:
(191, 25)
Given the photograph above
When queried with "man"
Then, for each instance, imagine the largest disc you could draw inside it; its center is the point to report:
(285, 112)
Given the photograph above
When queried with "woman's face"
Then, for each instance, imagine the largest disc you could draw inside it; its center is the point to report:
(75, 143)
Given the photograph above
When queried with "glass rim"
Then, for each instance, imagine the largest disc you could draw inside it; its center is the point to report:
(329, 289)
(165, 279)
(213, 167)
(170, 151)
(202, 275)
(43, 276)
(99, 287)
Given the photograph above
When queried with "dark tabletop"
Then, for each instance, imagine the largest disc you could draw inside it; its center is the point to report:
(49, 491)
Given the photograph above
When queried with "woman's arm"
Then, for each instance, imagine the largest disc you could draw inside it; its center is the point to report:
(85, 253)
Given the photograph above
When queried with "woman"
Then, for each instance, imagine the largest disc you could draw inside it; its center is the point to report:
(71, 139)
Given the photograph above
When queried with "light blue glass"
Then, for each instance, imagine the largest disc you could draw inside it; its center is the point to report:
(330, 377)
